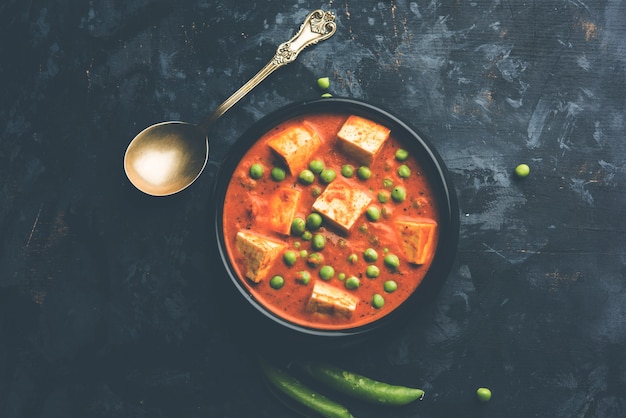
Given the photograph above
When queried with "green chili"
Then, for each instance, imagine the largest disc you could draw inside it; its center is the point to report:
(361, 387)
(296, 390)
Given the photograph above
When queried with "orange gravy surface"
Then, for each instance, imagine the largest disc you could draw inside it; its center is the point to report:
(245, 209)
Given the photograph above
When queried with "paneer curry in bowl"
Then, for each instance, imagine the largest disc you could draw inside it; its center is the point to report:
(332, 215)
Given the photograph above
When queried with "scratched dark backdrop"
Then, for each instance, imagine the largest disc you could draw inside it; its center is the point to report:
(107, 302)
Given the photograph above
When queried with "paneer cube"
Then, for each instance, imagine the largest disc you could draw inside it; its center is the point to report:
(282, 209)
(362, 138)
(295, 146)
(419, 239)
(258, 253)
(329, 300)
(342, 204)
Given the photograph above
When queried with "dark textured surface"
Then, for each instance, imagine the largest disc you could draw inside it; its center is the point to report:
(107, 300)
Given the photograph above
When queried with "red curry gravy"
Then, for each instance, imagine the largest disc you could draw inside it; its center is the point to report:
(246, 209)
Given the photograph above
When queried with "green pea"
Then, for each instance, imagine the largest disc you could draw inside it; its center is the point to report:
(315, 259)
(378, 301)
(327, 176)
(522, 170)
(327, 272)
(326, 95)
(370, 255)
(303, 277)
(390, 286)
(316, 166)
(307, 235)
(372, 271)
(303, 253)
(387, 183)
(277, 282)
(256, 171)
(319, 242)
(314, 221)
(306, 177)
(398, 194)
(352, 283)
(341, 276)
(278, 174)
(404, 171)
(392, 261)
(364, 172)
(347, 170)
(373, 213)
(298, 226)
(316, 191)
(323, 83)
(402, 154)
(290, 257)
(483, 394)
(353, 258)
(383, 196)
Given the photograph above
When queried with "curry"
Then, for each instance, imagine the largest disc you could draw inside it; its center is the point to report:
(329, 221)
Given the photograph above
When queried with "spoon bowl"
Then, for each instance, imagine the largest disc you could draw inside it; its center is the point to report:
(168, 157)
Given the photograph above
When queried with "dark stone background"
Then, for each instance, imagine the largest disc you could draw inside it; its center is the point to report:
(107, 300)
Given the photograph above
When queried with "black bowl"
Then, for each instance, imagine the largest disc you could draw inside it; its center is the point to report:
(248, 318)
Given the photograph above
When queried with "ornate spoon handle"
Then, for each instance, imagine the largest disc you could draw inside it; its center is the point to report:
(318, 26)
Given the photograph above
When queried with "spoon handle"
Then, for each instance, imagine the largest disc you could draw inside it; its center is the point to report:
(318, 26)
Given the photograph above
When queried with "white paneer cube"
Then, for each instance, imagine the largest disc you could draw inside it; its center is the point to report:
(295, 146)
(258, 253)
(282, 208)
(362, 138)
(419, 239)
(329, 300)
(342, 204)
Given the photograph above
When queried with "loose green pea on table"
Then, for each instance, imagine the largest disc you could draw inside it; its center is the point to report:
(483, 394)
(323, 83)
(522, 170)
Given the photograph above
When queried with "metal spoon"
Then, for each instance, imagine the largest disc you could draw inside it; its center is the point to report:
(167, 157)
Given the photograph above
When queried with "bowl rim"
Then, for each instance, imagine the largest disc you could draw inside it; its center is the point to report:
(449, 220)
